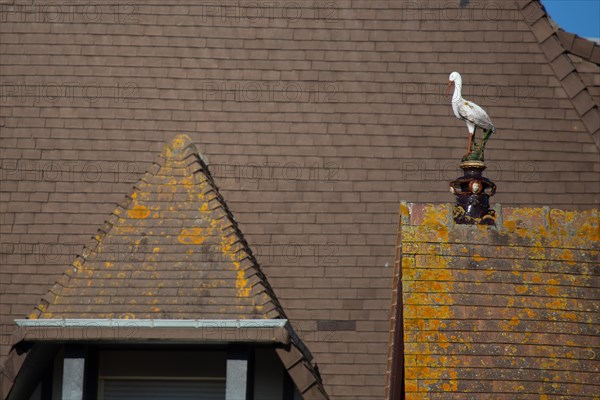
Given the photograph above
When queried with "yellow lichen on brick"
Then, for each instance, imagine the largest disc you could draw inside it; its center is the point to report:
(435, 219)
(532, 285)
(427, 286)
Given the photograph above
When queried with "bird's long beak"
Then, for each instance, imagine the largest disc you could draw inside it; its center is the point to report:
(448, 88)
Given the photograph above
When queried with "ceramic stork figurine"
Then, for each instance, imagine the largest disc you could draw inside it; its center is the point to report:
(473, 115)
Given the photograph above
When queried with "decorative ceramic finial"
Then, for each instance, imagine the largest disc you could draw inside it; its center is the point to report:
(472, 190)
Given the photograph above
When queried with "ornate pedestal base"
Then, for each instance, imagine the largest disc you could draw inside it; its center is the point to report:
(473, 192)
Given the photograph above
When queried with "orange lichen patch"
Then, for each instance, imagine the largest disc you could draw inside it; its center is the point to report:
(411, 387)
(557, 304)
(191, 236)
(529, 296)
(77, 264)
(241, 284)
(228, 244)
(510, 225)
(443, 341)
(124, 230)
(428, 284)
(404, 210)
(435, 219)
(552, 290)
(590, 230)
(138, 211)
(567, 255)
(478, 258)
(521, 289)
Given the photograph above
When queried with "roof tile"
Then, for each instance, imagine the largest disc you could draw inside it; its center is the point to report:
(566, 38)
(552, 48)
(562, 66)
(583, 102)
(583, 47)
(532, 11)
(483, 304)
(542, 29)
(573, 84)
(591, 119)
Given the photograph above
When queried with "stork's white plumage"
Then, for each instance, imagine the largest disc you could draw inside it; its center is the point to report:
(468, 111)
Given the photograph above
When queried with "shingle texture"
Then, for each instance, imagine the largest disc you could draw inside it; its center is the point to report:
(510, 310)
(319, 118)
(171, 250)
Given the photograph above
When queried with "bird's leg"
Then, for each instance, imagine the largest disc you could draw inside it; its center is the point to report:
(469, 145)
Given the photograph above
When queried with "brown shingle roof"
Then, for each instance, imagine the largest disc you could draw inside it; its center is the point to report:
(510, 310)
(555, 44)
(350, 121)
(171, 250)
(581, 47)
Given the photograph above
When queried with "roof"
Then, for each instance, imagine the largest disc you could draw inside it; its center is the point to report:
(350, 120)
(556, 45)
(170, 261)
(508, 310)
(585, 56)
(171, 249)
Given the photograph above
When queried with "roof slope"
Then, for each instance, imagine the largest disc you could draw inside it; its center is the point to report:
(510, 310)
(556, 44)
(171, 250)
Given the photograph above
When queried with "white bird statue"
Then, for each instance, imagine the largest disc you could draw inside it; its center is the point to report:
(470, 112)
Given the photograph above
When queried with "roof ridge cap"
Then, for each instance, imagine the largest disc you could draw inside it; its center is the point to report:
(181, 147)
(570, 42)
(205, 170)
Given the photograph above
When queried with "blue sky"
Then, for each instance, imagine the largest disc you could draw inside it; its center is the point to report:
(576, 16)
